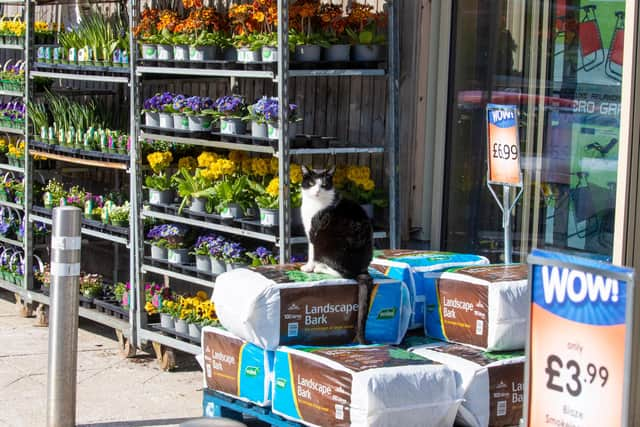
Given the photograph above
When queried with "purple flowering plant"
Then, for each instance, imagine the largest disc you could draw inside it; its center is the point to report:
(266, 110)
(230, 106)
(216, 248)
(13, 111)
(197, 105)
(262, 256)
(203, 243)
(233, 252)
(161, 102)
(167, 235)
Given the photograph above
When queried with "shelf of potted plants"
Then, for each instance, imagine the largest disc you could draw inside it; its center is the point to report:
(96, 50)
(168, 49)
(87, 231)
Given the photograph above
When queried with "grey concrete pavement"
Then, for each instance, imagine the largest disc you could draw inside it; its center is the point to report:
(112, 391)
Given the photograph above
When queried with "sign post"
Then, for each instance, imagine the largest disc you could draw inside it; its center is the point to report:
(579, 345)
(503, 160)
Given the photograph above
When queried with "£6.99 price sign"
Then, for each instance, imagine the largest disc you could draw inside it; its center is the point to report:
(579, 330)
(503, 150)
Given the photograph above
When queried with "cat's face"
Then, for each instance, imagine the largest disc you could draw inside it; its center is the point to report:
(317, 184)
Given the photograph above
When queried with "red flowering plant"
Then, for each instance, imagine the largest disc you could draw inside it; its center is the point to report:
(364, 26)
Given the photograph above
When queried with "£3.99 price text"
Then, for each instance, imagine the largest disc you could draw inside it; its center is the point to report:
(572, 369)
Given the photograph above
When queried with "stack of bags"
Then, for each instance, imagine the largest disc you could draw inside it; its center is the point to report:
(272, 317)
(479, 314)
(275, 318)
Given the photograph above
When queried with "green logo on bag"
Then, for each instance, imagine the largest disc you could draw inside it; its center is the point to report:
(281, 383)
(266, 53)
(387, 313)
(224, 125)
(252, 371)
(150, 51)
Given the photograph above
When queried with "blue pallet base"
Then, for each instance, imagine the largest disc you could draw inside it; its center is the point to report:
(215, 404)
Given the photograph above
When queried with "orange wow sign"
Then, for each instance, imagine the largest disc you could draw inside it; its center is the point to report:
(503, 150)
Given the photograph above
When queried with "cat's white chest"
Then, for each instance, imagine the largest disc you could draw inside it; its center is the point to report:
(308, 210)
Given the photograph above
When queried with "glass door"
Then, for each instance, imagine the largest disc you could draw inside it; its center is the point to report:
(560, 63)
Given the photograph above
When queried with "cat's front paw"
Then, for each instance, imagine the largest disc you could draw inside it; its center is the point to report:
(308, 267)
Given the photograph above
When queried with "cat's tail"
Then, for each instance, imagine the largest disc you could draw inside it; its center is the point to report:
(365, 286)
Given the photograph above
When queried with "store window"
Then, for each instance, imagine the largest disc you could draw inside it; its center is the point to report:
(562, 66)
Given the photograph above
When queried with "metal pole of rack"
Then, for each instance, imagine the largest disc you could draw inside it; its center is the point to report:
(27, 238)
(135, 189)
(63, 317)
(283, 138)
(393, 129)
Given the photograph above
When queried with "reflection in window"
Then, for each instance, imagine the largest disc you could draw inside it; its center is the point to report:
(569, 118)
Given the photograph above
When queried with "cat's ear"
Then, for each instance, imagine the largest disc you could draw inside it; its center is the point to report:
(305, 170)
(331, 170)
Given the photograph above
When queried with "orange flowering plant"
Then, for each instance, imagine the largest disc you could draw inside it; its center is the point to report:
(254, 24)
(202, 26)
(364, 26)
(304, 24)
(333, 22)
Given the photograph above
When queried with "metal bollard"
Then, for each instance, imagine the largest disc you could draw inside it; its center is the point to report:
(63, 317)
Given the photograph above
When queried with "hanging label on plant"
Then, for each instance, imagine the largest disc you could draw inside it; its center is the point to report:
(503, 145)
(43, 132)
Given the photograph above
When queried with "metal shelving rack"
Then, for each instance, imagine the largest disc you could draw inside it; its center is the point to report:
(283, 239)
(123, 328)
(136, 329)
(25, 244)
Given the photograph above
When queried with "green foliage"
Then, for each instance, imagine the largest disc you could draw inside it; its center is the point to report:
(369, 35)
(160, 182)
(233, 190)
(120, 213)
(297, 38)
(192, 186)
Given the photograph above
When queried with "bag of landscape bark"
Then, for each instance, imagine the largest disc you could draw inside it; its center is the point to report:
(363, 386)
(235, 367)
(419, 269)
(485, 307)
(280, 305)
(491, 384)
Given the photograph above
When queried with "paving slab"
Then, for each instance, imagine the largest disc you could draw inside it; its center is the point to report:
(111, 391)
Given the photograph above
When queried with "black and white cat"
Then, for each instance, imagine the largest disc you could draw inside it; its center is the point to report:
(340, 237)
(339, 231)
